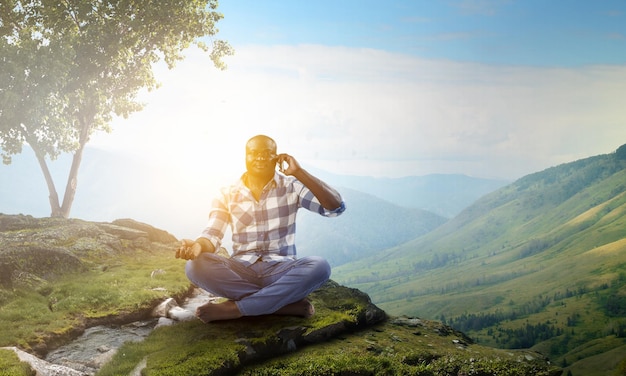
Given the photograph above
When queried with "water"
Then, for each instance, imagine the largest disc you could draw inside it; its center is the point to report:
(98, 344)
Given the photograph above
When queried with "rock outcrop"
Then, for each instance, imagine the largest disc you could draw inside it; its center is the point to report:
(41, 367)
(37, 249)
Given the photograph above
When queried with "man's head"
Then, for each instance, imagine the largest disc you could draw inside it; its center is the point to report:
(261, 156)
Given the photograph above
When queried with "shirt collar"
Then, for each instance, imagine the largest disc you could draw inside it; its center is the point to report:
(275, 182)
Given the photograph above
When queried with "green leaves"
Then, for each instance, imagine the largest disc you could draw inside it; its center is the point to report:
(73, 64)
(68, 66)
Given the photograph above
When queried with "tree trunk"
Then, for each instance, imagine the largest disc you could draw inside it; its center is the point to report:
(70, 188)
(53, 197)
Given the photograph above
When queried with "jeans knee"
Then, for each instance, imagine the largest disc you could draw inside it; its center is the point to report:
(190, 270)
(321, 270)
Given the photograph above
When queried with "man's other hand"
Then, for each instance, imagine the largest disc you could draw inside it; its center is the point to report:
(188, 250)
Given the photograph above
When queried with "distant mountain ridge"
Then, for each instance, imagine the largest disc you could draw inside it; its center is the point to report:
(538, 263)
(443, 194)
(368, 226)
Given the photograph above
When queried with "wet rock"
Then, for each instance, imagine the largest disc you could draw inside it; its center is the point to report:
(97, 345)
(170, 309)
(44, 368)
(164, 321)
(181, 314)
(162, 309)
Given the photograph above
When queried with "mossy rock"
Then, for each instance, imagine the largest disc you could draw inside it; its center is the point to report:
(223, 347)
(47, 248)
(348, 335)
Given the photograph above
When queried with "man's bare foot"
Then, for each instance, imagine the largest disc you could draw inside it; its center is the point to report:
(221, 311)
(302, 308)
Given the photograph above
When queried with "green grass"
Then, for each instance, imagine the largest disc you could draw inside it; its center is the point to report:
(188, 348)
(601, 358)
(195, 348)
(392, 350)
(242, 346)
(117, 286)
(10, 365)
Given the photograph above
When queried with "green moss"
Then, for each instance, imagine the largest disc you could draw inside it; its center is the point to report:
(10, 365)
(188, 348)
(195, 348)
(339, 364)
(388, 349)
(124, 286)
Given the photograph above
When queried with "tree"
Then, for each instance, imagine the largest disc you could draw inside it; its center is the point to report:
(68, 66)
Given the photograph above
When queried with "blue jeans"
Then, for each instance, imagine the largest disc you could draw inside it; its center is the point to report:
(261, 288)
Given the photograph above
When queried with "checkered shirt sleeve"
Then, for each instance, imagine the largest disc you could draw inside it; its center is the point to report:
(263, 228)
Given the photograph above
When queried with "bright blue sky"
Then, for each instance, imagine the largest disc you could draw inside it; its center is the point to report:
(547, 32)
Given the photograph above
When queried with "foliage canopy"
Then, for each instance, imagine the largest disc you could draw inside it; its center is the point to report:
(68, 66)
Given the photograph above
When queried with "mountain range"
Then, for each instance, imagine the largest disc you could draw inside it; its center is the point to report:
(537, 264)
(369, 225)
(443, 194)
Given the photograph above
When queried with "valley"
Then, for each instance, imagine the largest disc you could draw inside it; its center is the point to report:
(536, 264)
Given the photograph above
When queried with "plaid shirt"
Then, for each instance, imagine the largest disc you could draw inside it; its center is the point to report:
(263, 229)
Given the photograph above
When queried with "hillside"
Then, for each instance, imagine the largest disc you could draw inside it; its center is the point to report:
(369, 226)
(538, 263)
(63, 276)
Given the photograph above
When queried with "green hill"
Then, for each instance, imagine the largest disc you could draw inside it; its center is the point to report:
(536, 264)
(367, 227)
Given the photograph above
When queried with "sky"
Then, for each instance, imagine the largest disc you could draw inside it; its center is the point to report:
(487, 88)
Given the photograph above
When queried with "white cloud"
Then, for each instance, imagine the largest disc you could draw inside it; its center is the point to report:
(359, 112)
(363, 111)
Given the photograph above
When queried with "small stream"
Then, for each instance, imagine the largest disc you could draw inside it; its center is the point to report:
(98, 344)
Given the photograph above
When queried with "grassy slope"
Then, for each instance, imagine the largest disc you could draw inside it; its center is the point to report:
(525, 248)
(10, 365)
(389, 349)
(115, 286)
